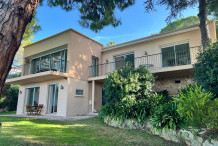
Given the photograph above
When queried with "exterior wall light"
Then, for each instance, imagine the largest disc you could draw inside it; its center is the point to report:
(20, 92)
(62, 87)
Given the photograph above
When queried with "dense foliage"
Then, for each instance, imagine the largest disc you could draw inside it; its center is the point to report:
(191, 20)
(94, 14)
(197, 107)
(206, 69)
(127, 93)
(166, 116)
(9, 97)
(128, 83)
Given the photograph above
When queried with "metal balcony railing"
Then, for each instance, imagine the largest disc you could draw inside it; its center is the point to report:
(152, 62)
(27, 69)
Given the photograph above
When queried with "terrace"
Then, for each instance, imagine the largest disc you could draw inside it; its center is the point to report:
(168, 60)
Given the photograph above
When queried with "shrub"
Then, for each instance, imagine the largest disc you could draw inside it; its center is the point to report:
(166, 116)
(206, 69)
(13, 97)
(196, 106)
(158, 99)
(139, 110)
(9, 97)
(137, 82)
(3, 103)
(127, 93)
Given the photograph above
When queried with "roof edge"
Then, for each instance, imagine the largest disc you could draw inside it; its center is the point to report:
(156, 36)
(70, 29)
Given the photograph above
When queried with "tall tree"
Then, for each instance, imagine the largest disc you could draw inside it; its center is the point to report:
(191, 20)
(177, 6)
(16, 14)
(31, 29)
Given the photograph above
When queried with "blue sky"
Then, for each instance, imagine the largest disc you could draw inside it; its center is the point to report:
(135, 23)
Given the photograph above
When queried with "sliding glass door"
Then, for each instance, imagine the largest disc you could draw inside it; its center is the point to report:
(32, 96)
(53, 98)
(176, 55)
(55, 61)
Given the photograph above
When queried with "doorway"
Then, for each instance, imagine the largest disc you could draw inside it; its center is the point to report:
(53, 98)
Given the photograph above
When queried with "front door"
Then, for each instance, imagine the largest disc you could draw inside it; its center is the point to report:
(53, 98)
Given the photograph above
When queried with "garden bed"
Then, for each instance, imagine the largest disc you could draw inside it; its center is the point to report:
(177, 136)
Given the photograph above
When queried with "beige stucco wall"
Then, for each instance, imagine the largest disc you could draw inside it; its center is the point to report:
(77, 105)
(44, 95)
(48, 44)
(192, 37)
(81, 50)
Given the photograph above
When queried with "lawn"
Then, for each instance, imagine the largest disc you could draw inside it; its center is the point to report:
(8, 113)
(25, 131)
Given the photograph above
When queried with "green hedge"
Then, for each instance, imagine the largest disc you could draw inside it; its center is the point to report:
(9, 97)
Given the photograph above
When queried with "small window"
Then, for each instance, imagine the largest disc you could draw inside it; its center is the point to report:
(79, 92)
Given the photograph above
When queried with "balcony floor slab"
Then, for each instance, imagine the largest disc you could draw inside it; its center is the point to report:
(38, 77)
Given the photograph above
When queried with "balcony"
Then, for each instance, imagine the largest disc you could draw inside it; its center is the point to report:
(25, 75)
(155, 63)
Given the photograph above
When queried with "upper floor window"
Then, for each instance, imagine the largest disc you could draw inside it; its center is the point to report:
(122, 60)
(176, 55)
(55, 61)
(95, 65)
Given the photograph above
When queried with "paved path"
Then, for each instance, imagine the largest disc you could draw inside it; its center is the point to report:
(51, 117)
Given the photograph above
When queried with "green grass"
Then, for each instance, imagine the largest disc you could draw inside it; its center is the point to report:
(25, 131)
(8, 113)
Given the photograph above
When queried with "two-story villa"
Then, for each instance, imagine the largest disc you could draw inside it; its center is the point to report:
(66, 71)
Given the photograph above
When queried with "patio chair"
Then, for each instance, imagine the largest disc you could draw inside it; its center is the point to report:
(29, 110)
(38, 110)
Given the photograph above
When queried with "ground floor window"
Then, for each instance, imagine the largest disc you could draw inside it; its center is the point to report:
(32, 96)
(53, 98)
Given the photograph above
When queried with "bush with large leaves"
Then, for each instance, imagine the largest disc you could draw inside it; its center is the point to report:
(127, 93)
(206, 69)
(198, 107)
(166, 116)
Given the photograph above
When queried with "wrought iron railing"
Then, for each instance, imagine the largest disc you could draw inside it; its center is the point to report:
(152, 62)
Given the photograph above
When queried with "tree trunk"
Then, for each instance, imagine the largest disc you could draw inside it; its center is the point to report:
(203, 22)
(14, 17)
